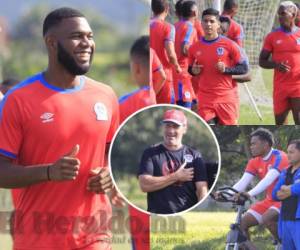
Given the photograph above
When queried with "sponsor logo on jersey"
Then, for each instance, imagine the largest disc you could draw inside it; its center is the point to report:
(279, 42)
(101, 111)
(47, 117)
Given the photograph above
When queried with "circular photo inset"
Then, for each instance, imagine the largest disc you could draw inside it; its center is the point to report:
(164, 159)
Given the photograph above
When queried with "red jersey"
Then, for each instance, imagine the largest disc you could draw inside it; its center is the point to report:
(199, 29)
(213, 86)
(285, 47)
(160, 33)
(156, 66)
(298, 24)
(260, 166)
(235, 31)
(185, 34)
(40, 123)
(134, 101)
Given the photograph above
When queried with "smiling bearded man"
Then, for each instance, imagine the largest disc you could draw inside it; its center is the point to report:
(55, 128)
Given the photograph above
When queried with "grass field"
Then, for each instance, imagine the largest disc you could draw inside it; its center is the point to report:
(204, 231)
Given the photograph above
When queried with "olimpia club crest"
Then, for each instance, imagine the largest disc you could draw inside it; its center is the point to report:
(220, 51)
(188, 158)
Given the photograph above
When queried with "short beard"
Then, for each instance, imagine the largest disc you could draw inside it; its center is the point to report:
(68, 62)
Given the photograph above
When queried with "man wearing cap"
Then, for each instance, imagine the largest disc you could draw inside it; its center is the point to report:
(172, 174)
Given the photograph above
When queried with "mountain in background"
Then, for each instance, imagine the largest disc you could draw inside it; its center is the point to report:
(122, 13)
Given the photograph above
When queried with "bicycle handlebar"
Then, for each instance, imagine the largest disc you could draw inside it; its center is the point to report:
(227, 194)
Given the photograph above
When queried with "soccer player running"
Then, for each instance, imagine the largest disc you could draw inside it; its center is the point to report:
(281, 52)
(235, 31)
(139, 67)
(55, 129)
(162, 38)
(287, 190)
(266, 164)
(215, 59)
(199, 35)
(185, 36)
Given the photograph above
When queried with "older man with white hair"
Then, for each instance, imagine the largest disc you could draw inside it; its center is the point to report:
(281, 52)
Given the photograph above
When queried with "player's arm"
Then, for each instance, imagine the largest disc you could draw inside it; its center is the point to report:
(277, 187)
(170, 49)
(16, 176)
(201, 189)
(261, 186)
(150, 183)
(243, 78)
(238, 58)
(159, 77)
(238, 69)
(244, 182)
(266, 62)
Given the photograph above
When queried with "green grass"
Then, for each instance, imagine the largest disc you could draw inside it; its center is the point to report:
(131, 190)
(205, 231)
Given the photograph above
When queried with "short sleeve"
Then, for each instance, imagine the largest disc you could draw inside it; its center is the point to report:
(189, 36)
(115, 118)
(11, 132)
(268, 46)
(280, 162)
(251, 167)
(200, 172)
(146, 164)
(169, 35)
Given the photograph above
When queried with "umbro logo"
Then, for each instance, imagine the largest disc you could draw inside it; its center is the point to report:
(47, 117)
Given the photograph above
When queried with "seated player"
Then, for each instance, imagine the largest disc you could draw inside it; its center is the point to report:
(139, 66)
(266, 165)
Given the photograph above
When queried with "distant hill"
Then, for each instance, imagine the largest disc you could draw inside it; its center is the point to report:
(125, 13)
